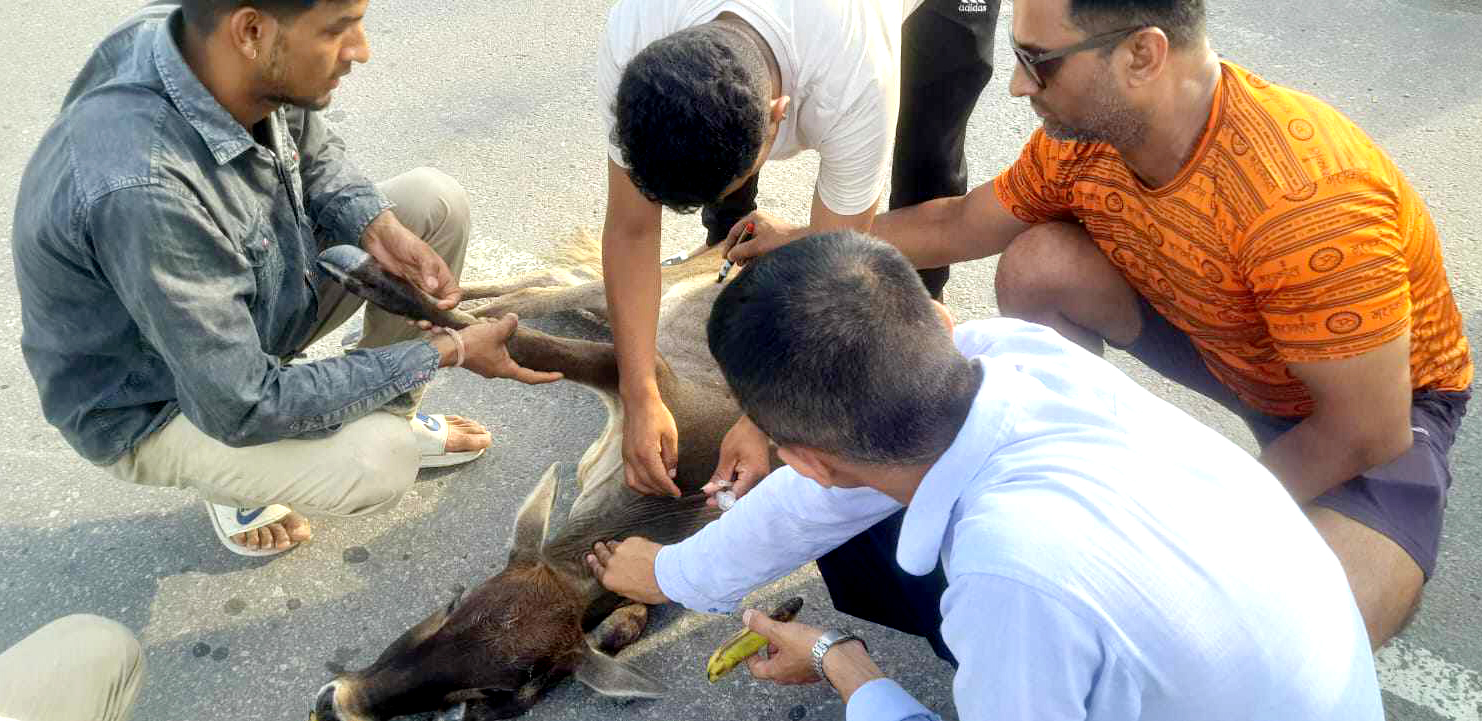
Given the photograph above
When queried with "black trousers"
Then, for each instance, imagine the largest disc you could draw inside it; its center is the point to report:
(946, 61)
(864, 581)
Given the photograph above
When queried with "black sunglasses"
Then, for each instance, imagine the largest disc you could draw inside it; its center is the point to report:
(1034, 64)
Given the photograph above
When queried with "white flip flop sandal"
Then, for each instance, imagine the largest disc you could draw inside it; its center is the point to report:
(228, 521)
(431, 431)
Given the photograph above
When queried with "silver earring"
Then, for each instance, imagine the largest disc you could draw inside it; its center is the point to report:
(251, 53)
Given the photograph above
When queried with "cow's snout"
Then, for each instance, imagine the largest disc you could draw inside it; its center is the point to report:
(342, 700)
(324, 709)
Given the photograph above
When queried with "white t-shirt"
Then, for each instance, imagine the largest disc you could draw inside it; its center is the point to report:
(840, 64)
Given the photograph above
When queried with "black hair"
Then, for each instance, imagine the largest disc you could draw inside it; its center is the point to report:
(692, 112)
(203, 15)
(1181, 20)
(831, 342)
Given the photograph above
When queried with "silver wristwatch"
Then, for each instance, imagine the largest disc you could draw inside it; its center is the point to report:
(826, 642)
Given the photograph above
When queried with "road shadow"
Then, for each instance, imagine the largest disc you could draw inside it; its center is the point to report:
(112, 568)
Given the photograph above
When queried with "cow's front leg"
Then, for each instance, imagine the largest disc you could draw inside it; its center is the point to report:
(543, 302)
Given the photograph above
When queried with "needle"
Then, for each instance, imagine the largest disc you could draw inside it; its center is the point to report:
(745, 236)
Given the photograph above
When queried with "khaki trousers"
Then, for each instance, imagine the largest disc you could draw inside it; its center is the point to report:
(369, 463)
(76, 668)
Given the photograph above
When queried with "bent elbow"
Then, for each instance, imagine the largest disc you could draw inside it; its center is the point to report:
(1384, 446)
(246, 430)
(236, 440)
(231, 436)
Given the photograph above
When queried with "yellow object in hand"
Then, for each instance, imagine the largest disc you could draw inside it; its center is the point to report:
(747, 643)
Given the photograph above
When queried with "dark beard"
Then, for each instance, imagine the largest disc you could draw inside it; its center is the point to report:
(312, 104)
(1111, 120)
(1060, 131)
(277, 84)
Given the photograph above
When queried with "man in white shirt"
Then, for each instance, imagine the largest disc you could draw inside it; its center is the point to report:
(698, 94)
(1107, 557)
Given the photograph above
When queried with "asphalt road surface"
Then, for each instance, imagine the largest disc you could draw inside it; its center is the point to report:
(500, 95)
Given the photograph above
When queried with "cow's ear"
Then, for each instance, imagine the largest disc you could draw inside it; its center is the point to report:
(611, 677)
(533, 520)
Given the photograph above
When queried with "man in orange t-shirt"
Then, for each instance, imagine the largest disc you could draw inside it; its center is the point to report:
(1243, 239)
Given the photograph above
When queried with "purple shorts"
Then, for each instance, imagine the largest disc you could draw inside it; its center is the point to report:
(1404, 499)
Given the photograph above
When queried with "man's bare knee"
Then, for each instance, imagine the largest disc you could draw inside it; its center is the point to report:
(1054, 274)
(1386, 582)
(1411, 613)
(1033, 270)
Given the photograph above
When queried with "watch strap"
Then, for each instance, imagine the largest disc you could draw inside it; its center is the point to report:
(827, 641)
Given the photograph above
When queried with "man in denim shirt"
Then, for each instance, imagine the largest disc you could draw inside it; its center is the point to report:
(164, 244)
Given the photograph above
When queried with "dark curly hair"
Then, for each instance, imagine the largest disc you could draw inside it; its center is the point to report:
(692, 114)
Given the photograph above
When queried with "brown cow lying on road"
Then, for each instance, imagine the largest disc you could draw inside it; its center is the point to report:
(493, 653)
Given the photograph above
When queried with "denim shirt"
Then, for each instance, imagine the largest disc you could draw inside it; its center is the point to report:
(165, 258)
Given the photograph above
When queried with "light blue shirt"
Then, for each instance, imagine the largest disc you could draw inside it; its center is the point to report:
(1107, 557)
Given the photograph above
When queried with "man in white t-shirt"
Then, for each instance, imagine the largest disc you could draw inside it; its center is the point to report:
(699, 94)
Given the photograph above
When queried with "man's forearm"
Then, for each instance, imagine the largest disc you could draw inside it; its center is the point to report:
(848, 666)
(243, 408)
(630, 267)
(951, 230)
(1310, 460)
(928, 234)
(783, 523)
(633, 285)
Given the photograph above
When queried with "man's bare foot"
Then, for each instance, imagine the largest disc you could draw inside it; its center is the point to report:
(282, 535)
(466, 435)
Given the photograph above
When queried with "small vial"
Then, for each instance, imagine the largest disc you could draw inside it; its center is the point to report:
(725, 499)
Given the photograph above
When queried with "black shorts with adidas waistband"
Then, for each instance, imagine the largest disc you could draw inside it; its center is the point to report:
(1404, 499)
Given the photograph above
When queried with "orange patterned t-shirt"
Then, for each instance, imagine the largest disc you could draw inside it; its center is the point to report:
(1288, 237)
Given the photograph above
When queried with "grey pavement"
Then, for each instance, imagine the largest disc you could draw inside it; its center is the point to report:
(500, 95)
